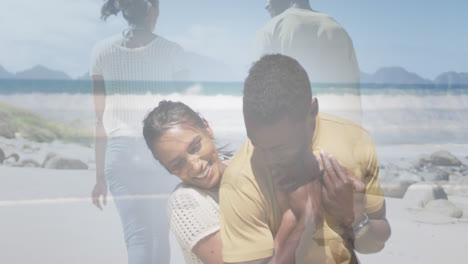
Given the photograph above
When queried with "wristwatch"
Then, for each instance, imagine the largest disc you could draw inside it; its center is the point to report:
(359, 228)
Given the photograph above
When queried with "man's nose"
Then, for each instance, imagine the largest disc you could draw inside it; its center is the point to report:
(271, 159)
(267, 7)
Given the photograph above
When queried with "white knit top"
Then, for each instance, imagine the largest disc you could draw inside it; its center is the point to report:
(129, 74)
(193, 215)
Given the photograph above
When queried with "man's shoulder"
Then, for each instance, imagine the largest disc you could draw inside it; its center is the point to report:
(305, 17)
(239, 169)
(343, 136)
(296, 21)
(346, 127)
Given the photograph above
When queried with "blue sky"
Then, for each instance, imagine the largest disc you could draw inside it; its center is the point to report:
(425, 37)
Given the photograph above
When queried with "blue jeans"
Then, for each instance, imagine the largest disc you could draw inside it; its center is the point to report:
(131, 170)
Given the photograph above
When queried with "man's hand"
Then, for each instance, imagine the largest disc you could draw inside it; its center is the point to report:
(298, 187)
(342, 193)
(306, 168)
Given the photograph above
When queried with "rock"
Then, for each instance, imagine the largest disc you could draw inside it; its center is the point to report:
(456, 177)
(405, 175)
(29, 163)
(6, 131)
(388, 172)
(27, 148)
(391, 172)
(464, 208)
(421, 162)
(459, 188)
(395, 180)
(13, 156)
(439, 158)
(49, 156)
(396, 189)
(464, 171)
(421, 215)
(419, 194)
(2, 156)
(444, 207)
(433, 174)
(444, 158)
(60, 163)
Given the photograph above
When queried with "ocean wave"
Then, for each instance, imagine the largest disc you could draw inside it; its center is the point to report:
(395, 117)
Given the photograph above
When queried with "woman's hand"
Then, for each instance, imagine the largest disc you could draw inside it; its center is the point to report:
(100, 189)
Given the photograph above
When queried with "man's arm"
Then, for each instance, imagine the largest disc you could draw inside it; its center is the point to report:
(345, 198)
(373, 237)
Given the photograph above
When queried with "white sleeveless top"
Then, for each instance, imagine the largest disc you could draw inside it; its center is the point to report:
(193, 215)
(131, 73)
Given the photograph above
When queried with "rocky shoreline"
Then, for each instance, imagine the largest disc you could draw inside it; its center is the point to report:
(425, 183)
(21, 152)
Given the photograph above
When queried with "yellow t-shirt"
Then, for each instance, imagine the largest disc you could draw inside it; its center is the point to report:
(250, 214)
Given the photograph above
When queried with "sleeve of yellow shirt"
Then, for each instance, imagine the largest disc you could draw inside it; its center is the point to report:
(244, 230)
(374, 193)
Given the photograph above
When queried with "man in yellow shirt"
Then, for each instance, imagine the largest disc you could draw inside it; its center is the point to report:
(274, 179)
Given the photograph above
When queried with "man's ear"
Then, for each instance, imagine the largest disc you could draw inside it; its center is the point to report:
(208, 128)
(314, 108)
(313, 112)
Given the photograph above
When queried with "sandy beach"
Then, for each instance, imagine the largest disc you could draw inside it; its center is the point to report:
(47, 217)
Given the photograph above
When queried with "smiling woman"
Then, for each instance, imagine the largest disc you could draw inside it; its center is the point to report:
(183, 142)
(190, 154)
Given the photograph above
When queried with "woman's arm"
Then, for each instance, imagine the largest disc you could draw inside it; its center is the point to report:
(209, 249)
(100, 141)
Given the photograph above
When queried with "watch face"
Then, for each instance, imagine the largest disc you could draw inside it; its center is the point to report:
(361, 224)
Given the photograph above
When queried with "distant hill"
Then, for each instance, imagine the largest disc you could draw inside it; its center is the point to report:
(4, 74)
(393, 75)
(452, 78)
(203, 68)
(85, 76)
(40, 72)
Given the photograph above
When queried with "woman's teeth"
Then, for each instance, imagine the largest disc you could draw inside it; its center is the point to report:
(204, 173)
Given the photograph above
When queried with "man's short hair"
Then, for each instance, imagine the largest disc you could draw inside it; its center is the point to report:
(277, 87)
